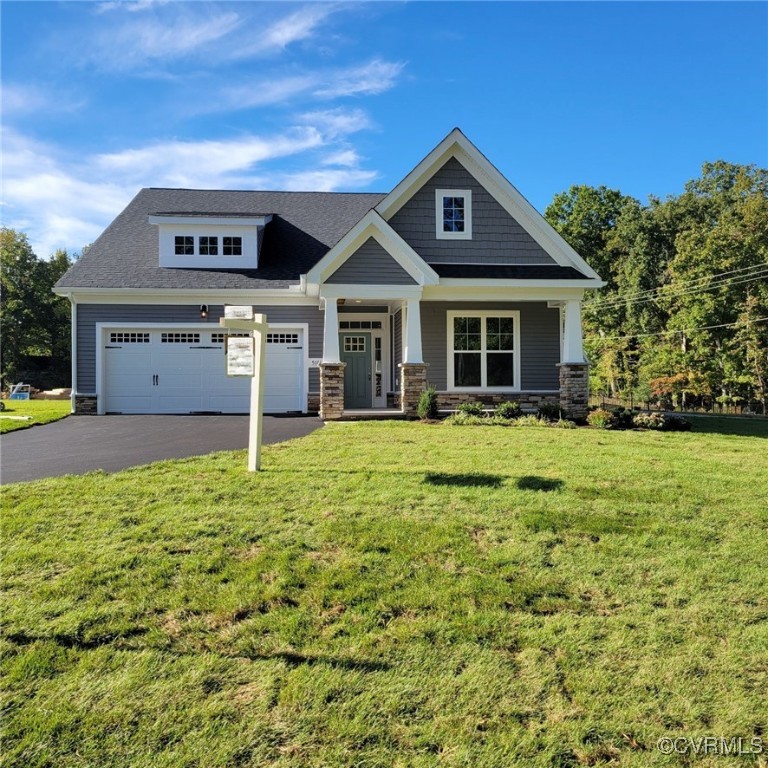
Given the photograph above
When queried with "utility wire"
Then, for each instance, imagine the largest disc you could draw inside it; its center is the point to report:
(755, 268)
(688, 292)
(680, 330)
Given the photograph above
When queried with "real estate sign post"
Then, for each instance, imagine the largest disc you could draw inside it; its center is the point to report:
(245, 357)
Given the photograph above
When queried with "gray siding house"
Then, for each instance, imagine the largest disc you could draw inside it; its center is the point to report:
(452, 279)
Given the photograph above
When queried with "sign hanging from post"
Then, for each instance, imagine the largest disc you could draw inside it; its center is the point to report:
(241, 356)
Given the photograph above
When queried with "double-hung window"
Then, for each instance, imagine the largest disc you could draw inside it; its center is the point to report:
(453, 214)
(484, 350)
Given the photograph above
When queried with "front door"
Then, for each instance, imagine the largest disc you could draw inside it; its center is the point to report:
(356, 353)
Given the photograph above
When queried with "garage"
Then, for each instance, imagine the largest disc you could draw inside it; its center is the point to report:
(173, 370)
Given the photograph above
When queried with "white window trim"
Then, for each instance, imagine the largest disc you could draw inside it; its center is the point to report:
(483, 313)
(467, 195)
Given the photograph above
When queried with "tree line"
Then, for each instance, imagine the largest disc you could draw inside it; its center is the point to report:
(683, 319)
(35, 323)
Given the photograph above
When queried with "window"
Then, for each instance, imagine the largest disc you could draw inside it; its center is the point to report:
(209, 246)
(185, 245)
(282, 338)
(354, 343)
(355, 325)
(180, 338)
(233, 246)
(453, 214)
(220, 336)
(483, 350)
(120, 337)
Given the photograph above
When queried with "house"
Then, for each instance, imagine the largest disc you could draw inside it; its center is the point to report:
(451, 279)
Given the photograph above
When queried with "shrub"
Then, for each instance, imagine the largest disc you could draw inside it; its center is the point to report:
(564, 424)
(622, 418)
(471, 409)
(673, 423)
(550, 412)
(530, 421)
(649, 420)
(460, 419)
(508, 410)
(601, 419)
(427, 407)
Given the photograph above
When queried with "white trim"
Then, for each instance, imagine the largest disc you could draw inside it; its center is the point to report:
(377, 292)
(386, 362)
(211, 297)
(73, 348)
(440, 233)
(102, 328)
(500, 293)
(483, 314)
(458, 146)
(471, 282)
(214, 221)
(372, 225)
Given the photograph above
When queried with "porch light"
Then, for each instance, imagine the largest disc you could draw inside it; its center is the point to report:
(203, 311)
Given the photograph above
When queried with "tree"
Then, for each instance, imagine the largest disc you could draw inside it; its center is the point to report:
(34, 322)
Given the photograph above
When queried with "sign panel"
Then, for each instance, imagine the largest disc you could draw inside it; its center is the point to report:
(240, 356)
(238, 313)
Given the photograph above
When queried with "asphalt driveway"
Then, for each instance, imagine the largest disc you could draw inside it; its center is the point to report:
(81, 444)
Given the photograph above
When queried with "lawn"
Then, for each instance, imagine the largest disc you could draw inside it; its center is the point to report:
(394, 594)
(38, 411)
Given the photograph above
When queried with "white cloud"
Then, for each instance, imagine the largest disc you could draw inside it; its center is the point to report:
(375, 77)
(129, 5)
(63, 203)
(28, 99)
(337, 122)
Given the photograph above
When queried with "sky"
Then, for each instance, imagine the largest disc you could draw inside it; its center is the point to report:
(100, 99)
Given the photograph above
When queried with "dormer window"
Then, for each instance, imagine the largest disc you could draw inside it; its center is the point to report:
(233, 246)
(209, 246)
(453, 214)
(185, 246)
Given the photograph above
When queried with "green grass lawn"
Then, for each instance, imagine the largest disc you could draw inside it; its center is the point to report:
(39, 411)
(394, 594)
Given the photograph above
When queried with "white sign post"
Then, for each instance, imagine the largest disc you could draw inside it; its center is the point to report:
(245, 357)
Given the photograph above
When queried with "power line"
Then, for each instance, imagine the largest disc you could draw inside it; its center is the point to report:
(755, 268)
(687, 292)
(680, 330)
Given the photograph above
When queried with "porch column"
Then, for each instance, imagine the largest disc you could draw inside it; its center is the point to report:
(331, 333)
(573, 348)
(413, 332)
(574, 369)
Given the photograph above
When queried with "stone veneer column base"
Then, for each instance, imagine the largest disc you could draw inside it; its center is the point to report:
(85, 405)
(413, 381)
(331, 390)
(574, 389)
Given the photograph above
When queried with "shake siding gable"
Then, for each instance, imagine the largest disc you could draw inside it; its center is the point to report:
(127, 314)
(539, 341)
(371, 265)
(496, 237)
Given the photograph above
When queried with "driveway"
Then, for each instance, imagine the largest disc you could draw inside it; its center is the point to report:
(81, 444)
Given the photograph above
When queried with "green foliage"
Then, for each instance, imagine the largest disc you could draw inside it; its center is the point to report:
(601, 418)
(34, 321)
(427, 405)
(663, 422)
(550, 412)
(508, 410)
(471, 409)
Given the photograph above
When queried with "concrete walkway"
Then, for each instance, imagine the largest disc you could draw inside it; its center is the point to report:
(80, 444)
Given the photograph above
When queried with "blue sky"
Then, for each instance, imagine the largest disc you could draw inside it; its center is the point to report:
(102, 98)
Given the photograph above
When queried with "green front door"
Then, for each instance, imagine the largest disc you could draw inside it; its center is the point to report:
(356, 353)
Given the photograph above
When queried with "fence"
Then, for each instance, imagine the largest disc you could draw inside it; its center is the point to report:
(603, 401)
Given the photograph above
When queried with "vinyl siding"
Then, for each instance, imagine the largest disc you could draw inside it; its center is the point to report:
(539, 341)
(370, 264)
(397, 347)
(496, 237)
(90, 314)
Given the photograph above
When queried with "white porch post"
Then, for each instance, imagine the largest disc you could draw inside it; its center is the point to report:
(331, 332)
(413, 332)
(573, 348)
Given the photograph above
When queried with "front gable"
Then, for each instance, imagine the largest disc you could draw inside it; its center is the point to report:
(510, 230)
(371, 264)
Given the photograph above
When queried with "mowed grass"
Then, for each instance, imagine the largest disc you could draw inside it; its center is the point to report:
(394, 594)
(38, 411)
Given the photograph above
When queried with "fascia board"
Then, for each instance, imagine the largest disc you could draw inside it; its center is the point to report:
(159, 297)
(499, 293)
(514, 283)
(380, 292)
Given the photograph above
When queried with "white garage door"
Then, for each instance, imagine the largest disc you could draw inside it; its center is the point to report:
(179, 371)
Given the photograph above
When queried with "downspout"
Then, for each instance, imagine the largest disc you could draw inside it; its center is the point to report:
(73, 350)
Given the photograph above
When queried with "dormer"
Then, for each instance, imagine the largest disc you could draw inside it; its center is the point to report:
(210, 240)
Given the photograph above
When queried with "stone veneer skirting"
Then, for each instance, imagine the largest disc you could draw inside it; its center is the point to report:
(313, 402)
(332, 390)
(413, 381)
(85, 405)
(574, 389)
(448, 401)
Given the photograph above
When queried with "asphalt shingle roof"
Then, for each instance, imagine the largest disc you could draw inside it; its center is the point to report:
(509, 271)
(305, 225)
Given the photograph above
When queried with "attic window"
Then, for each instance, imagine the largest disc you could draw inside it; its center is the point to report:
(233, 246)
(453, 214)
(185, 245)
(209, 246)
